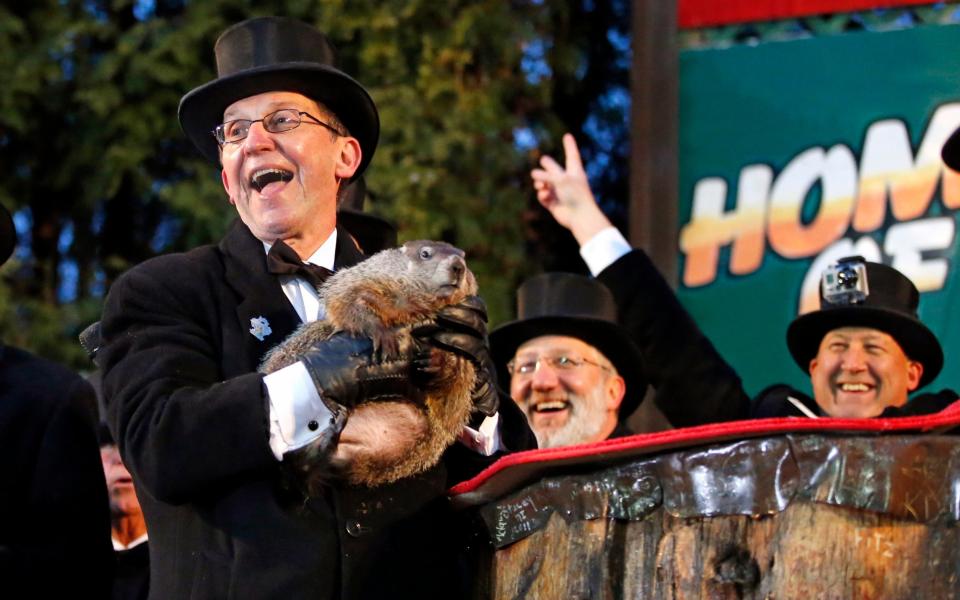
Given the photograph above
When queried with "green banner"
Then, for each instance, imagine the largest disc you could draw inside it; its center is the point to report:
(796, 153)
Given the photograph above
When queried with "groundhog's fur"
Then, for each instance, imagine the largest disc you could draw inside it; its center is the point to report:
(403, 286)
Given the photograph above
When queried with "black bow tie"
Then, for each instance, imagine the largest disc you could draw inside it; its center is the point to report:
(282, 260)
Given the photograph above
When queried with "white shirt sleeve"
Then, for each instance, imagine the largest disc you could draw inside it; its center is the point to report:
(294, 401)
(486, 440)
(295, 407)
(604, 249)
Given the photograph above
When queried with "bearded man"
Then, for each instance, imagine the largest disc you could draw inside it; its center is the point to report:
(569, 364)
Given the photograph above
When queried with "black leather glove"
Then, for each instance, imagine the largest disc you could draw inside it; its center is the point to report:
(462, 328)
(346, 373)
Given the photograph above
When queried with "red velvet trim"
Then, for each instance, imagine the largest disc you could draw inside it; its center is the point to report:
(708, 13)
(697, 436)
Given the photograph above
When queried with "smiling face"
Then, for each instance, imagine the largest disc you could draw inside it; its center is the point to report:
(567, 406)
(123, 497)
(285, 185)
(858, 372)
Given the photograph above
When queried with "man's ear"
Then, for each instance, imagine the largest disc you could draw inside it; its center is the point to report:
(348, 160)
(914, 374)
(813, 366)
(226, 185)
(616, 389)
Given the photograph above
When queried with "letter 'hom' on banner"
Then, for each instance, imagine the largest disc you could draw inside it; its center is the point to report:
(796, 153)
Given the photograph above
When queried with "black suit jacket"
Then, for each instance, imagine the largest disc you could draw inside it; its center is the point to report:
(773, 402)
(132, 578)
(693, 384)
(190, 415)
(54, 513)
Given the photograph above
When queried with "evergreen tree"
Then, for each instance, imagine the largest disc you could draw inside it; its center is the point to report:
(100, 176)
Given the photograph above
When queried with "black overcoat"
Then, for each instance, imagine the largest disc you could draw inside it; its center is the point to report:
(692, 383)
(189, 413)
(54, 512)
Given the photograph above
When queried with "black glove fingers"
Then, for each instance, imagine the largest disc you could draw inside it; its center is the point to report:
(470, 315)
(463, 344)
(485, 397)
(477, 304)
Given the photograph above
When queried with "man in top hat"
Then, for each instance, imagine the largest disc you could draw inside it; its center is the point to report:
(54, 518)
(582, 351)
(128, 527)
(571, 367)
(865, 349)
(211, 443)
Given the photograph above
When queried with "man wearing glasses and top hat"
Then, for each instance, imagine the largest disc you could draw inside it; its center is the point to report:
(206, 436)
(572, 369)
(582, 351)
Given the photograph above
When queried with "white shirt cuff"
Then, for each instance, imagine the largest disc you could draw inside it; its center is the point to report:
(295, 407)
(604, 249)
(486, 440)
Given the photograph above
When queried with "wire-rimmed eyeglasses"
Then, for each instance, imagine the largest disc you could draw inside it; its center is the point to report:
(561, 363)
(278, 121)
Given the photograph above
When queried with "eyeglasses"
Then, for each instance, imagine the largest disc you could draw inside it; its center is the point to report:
(278, 121)
(561, 363)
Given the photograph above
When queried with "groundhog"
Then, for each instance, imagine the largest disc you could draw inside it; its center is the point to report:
(399, 287)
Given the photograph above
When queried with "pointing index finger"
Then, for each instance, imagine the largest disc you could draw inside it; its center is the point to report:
(572, 152)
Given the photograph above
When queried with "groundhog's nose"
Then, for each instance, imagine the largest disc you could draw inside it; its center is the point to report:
(457, 267)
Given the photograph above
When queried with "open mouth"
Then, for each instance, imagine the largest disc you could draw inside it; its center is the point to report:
(264, 177)
(550, 406)
(855, 388)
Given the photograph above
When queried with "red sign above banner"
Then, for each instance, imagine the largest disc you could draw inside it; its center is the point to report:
(708, 13)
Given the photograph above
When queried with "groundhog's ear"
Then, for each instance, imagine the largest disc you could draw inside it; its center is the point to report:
(348, 160)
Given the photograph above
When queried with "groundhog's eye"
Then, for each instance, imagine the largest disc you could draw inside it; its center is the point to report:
(426, 253)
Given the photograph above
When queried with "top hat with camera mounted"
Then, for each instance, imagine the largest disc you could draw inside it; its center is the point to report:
(857, 293)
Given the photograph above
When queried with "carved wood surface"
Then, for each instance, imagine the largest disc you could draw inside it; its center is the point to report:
(795, 516)
(810, 550)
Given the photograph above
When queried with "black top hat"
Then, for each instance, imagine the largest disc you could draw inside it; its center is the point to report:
(269, 54)
(950, 153)
(575, 306)
(890, 305)
(372, 233)
(8, 235)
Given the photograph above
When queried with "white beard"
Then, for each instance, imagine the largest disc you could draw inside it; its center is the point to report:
(587, 419)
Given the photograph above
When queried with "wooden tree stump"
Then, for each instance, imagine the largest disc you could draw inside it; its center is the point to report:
(852, 518)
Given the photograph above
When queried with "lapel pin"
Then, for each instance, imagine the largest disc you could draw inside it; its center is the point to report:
(260, 328)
